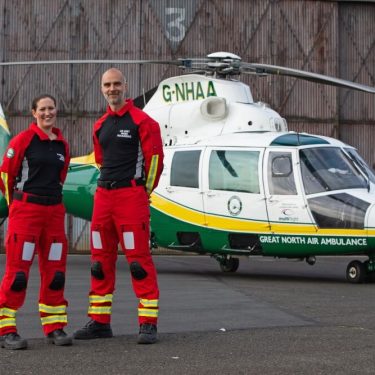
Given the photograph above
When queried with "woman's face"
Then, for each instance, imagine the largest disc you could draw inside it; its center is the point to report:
(45, 113)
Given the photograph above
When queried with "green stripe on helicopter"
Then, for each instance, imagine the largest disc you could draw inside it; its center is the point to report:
(168, 218)
(283, 245)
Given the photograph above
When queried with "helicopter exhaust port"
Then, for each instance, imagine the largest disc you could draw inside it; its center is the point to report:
(311, 260)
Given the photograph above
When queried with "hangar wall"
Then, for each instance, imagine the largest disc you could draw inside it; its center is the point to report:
(335, 38)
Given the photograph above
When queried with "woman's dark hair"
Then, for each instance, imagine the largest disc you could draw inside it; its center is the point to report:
(35, 101)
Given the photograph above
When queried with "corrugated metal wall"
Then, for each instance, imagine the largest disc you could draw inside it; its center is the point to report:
(329, 37)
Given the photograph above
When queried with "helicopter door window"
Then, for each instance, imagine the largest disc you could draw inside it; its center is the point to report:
(234, 171)
(280, 174)
(185, 169)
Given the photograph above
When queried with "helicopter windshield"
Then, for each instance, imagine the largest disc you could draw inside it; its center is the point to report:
(327, 169)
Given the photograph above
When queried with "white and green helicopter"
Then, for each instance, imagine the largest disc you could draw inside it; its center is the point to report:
(236, 183)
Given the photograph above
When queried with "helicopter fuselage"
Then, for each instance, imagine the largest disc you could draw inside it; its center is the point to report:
(274, 194)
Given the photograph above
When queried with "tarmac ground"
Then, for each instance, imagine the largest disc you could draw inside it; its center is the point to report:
(270, 317)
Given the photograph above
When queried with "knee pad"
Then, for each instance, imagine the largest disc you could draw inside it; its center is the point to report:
(137, 271)
(97, 271)
(58, 281)
(20, 282)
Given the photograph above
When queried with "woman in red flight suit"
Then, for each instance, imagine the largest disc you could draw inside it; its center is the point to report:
(32, 174)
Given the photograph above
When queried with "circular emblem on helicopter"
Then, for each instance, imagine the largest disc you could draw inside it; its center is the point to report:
(234, 205)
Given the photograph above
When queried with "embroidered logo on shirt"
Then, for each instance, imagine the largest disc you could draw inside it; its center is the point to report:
(61, 157)
(124, 133)
(10, 153)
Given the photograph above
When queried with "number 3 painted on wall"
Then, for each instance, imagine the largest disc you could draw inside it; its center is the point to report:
(175, 26)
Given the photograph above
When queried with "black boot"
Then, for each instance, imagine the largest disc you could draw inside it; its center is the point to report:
(147, 334)
(13, 341)
(59, 338)
(94, 330)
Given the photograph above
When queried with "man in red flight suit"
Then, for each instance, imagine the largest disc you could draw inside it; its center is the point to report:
(128, 150)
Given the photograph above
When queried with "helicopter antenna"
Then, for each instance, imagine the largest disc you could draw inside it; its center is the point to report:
(144, 95)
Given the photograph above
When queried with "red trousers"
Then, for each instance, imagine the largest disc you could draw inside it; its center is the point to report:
(122, 216)
(34, 228)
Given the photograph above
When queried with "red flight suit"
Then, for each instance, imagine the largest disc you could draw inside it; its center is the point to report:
(32, 174)
(129, 151)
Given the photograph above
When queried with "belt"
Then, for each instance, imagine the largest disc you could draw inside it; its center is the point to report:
(109, 185)
(38, 199)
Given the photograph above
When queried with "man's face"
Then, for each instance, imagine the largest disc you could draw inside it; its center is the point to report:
(113, 88)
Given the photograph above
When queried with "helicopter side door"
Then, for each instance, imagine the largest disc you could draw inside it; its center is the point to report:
(179, 198)
(233, 195)
(285, 199)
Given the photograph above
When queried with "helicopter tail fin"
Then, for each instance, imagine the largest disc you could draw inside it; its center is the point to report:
(4, 140)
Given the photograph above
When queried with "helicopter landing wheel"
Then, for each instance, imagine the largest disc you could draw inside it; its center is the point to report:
(229, 264)
(356, 272)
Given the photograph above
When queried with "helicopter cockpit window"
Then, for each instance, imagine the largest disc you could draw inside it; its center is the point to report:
(185, 168)
(234, 171)
(280, 174)
(327, 169)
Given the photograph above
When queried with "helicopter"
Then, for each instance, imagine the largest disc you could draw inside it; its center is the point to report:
(236, 183)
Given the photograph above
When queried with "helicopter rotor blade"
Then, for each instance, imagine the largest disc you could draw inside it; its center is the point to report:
(264, 69)
(189, 63)
(56, 62)
(227, 65)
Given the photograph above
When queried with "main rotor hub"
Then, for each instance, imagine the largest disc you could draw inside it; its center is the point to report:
(218, 64)
(224, 63)
(223, 56)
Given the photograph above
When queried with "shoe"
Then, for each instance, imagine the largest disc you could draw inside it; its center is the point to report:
(59, 338)
(13, 341)
(147, 334)
(94, 330)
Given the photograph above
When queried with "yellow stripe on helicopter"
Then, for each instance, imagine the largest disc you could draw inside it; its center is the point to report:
(85, 159)
(4, 124)
(232, 224)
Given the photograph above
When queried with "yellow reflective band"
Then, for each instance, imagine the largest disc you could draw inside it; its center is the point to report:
(101, 299)
(152, 173)
(148, 312)
(8, 312)
(9, 322)
(100, 310)
(52, 309)
(4, 177)
(149, 302)
(54, 319)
